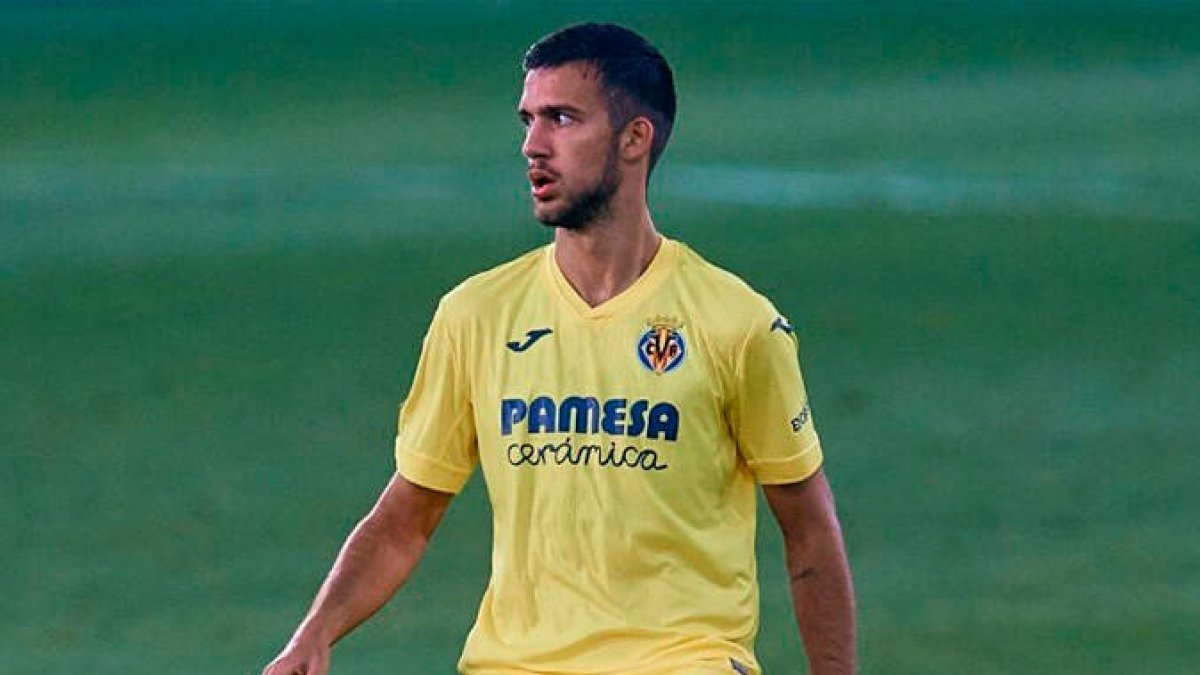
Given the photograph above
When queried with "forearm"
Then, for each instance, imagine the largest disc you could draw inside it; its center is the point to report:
(372, 565)
(376, 560)
(823, 598)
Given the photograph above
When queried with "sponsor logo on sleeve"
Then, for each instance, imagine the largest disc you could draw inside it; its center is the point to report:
(800, 419)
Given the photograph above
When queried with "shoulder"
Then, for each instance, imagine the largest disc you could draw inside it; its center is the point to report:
(722, 291)
(485, 292)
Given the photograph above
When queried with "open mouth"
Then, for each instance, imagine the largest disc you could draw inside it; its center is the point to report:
(541, 183)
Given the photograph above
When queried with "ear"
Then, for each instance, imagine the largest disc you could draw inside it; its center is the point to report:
(636, 139)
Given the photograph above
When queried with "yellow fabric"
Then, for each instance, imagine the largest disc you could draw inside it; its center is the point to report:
(623, 498)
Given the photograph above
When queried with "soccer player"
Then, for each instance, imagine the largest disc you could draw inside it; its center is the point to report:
(623, 399)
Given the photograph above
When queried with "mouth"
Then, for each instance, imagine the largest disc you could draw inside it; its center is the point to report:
(541, 183)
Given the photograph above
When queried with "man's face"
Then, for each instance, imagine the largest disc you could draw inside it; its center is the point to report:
(570, 145)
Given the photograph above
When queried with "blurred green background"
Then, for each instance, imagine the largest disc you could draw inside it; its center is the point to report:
(224, 227)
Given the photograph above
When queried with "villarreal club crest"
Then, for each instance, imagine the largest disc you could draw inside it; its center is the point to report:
(662, 348)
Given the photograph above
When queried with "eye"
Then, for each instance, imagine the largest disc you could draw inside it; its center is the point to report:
(562, 119)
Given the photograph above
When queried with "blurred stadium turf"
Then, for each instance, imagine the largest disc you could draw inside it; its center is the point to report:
(223, 229)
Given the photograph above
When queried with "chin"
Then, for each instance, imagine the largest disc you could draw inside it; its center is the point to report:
(545, 216)
(559, 224)
(551, 217)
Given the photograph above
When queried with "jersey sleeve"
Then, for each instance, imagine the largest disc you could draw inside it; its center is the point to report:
(770, 415)
(435, 440)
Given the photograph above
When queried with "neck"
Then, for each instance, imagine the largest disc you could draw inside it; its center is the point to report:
(607, 257)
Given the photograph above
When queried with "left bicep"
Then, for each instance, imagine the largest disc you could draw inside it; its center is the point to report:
(804, 507)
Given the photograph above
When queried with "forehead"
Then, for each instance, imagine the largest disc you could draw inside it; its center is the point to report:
(575, 84)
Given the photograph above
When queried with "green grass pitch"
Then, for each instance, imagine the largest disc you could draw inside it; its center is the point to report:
(224, 227)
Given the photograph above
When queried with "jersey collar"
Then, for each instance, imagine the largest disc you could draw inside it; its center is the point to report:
(624, 301)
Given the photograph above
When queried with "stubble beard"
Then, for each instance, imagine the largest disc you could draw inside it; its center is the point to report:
(593, 205)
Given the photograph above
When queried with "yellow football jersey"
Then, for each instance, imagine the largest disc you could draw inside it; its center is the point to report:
(620, 445)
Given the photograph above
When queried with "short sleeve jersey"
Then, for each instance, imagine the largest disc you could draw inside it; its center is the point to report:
(620, 445)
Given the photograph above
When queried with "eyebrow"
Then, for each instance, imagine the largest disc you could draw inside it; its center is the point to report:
(552, 109)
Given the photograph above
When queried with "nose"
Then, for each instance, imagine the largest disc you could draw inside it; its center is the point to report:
(537, 142)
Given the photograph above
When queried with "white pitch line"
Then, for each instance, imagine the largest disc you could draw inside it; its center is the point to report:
(934, 192)
(887, 186)
(84, 199)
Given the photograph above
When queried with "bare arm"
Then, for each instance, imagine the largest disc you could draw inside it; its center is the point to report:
(377, 558)
(822, 592)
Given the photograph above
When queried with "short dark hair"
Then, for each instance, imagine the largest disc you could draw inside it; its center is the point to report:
(634, 75)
